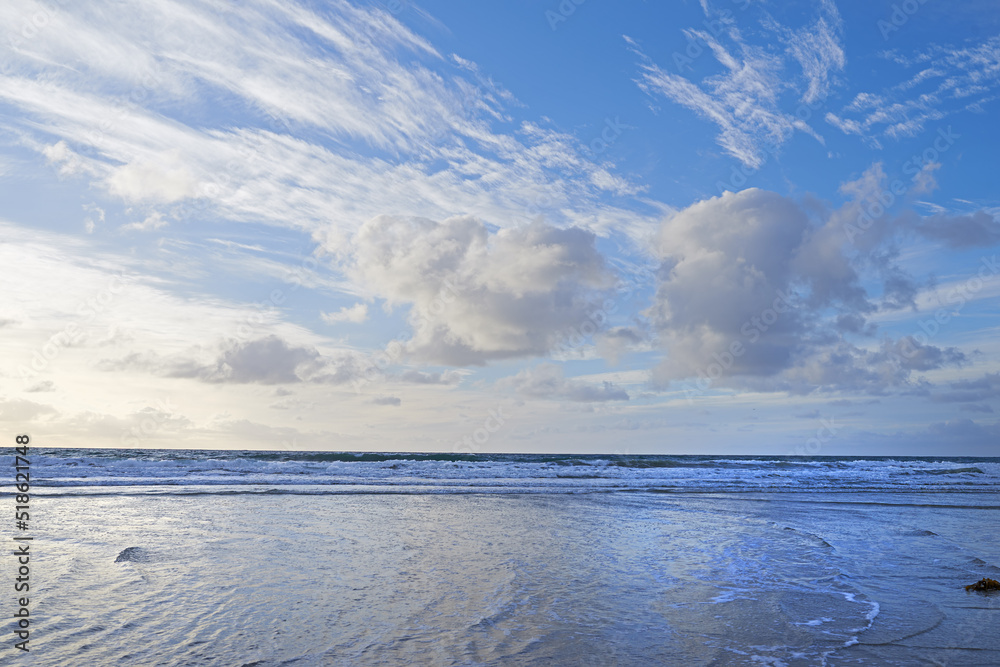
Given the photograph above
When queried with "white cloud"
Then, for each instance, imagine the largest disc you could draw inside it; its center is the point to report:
(413, 173)
(744, 100)
(978, 229)
(96, 216)
(266, 360)
(757, 294)
(44, 385)
(161, 180)
(19, 410)
(727, 260)
(819, 51)
(477, 295)
(547, 381)
(327, 132)
(150, 223)
(947, 80)
(355, 314)
(421, 377)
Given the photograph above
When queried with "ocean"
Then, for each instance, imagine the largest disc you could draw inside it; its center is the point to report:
(179, 557)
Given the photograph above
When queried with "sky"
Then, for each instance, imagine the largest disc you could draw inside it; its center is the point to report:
(715, 227)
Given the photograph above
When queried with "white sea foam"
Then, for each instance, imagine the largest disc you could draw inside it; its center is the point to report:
(816, 621)
(498, 473)
(730, 595)
(873, 611)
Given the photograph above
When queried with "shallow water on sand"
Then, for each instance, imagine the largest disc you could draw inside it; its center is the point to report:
(517, 579)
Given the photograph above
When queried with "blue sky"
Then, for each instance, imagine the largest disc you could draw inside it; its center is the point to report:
(703, 227)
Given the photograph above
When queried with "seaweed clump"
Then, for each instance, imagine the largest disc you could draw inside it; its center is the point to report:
(984, 584)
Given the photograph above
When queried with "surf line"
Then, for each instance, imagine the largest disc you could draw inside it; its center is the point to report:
(23, 577)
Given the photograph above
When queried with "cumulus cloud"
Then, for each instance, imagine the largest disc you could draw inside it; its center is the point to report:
(975, 230)
(911, 355)
(757, 291)
(841, 366)
(548, 381)
(475, 294)
(268, 360)
(726, 261)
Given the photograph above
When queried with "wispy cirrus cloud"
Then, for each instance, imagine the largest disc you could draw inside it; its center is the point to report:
(747, 98)
(180, 108)
(944, 80)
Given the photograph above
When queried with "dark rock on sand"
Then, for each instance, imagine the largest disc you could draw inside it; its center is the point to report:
(133, 555)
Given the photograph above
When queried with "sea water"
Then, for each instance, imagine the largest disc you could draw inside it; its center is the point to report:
(306, 558)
